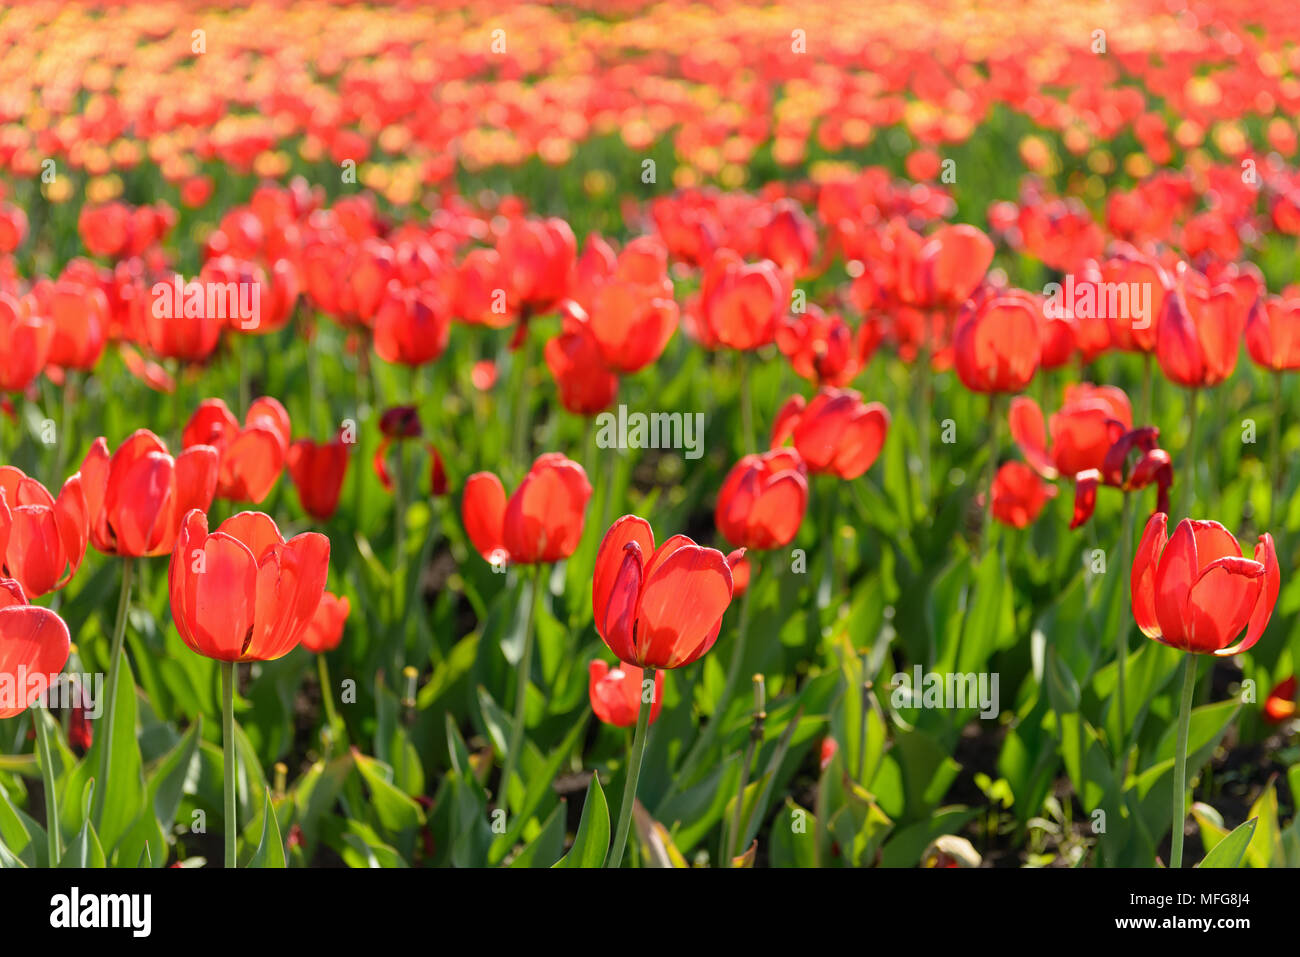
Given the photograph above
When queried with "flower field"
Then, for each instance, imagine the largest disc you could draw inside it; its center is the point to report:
(650, 434)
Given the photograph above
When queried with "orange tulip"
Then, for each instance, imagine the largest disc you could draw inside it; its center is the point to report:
(836, 432)
(252, 456)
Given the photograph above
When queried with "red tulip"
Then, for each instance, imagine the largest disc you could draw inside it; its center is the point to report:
(137, 497)
(242, 593)
(13, 227)
(326, 628)
(537, 257)
(996, 346)
(1153, 466)
(741, 570)
(1135, 271)
(627, 301)
(1280, 705)
(317, 471)
(412, 326)
(1199, 331)
(616, 694)
(739, 304)
(788, 238)
(1081, 431)
(1273, 334)
(763, 498)
(657, 608)
(823, 348)
(1196, 592)
(34, 644)
(251, 456)
(1019, 495)
(836, 432)
(24, 344)
(541, 522)
(190, 335)
(585, 384)
(42, 539)
(79, 314)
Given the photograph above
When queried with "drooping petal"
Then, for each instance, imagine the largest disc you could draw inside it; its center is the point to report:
(1220, 603)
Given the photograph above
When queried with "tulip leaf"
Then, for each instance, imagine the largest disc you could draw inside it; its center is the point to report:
(591, 843)
(270, 852)
(1230, 851)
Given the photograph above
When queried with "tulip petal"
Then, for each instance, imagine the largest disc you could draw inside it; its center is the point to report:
(1143, 576)
(681, 607)
(610, 557)
(1221, 602)
(483, 509)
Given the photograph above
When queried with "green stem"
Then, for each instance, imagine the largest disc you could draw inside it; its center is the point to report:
(114, 664)
(923, 420)
(1146, 389)
(1275, 489)
(327, 693)
(634, 759)
(521, 691)
(746, 405)
(995, 423)
(1189, 480)
(229, 768)
(519, 448)
(52, 837)
(1180, 762)
(1121, 638)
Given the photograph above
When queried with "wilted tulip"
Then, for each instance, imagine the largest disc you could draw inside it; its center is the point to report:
(1081, 430)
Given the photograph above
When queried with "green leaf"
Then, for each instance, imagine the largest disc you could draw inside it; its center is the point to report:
(270, 852)
(1229, 851)
(591, 843)
(396, 811)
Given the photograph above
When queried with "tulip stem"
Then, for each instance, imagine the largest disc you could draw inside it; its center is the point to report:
(746, 406)
(1189, 485)
(52, 837)
(994, 452)
(634, 759)
(923, 424)
(229, 767)
(1180, 762)
(114, 665)
(1146, 388)
(327, 695)
(1276, 490)
(1121, 637)
(521, 691)
(755, 739)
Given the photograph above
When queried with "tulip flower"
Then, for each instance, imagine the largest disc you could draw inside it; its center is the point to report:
(996, 344)
(242, 593)
(326, 628)
(1280, 705)
(34, 647)
(541, 522)
(1195, 592)
(836, 433)
(25, 342)
(13, 227)
(412, 326)
(616, 693)
(585, 384)
(763, 498)
(1081, 432)
(1019, 495)
(187, 335)
(1273, 343)
(1152, 466)
(42, 539)
(627, 301)
(317, 470)
(655, 608)
(252, 456)
(79, 314)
